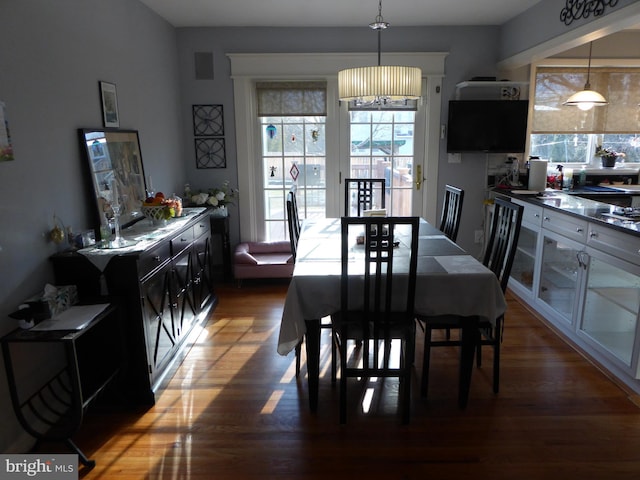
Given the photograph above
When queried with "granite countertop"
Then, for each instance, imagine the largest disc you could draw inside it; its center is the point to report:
(573, 204)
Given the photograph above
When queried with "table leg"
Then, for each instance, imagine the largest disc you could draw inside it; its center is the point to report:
(312, 343)
(469, 338)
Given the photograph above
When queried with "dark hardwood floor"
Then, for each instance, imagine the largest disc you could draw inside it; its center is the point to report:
(234, 410)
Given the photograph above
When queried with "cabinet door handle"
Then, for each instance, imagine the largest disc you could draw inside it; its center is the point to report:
(547, 219)
(579, 230)
(595, 234)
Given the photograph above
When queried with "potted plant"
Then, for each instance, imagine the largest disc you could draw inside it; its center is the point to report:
(608, 156)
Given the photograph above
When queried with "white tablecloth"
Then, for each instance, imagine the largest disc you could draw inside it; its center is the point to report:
(449, 281)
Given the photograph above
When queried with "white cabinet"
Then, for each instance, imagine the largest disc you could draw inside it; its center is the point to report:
(524, 272)
(560, 277)
(584, 278)
(609, 320)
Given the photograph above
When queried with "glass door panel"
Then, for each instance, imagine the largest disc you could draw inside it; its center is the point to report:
(559, 275)
(381, 144)
(611, 308)
(524, 260)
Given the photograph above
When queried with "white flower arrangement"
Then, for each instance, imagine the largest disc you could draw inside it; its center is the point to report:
(216, 197)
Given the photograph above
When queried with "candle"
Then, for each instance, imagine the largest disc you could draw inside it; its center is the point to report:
(114, 192)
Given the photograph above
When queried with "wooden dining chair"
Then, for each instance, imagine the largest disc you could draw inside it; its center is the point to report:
(498, 257)
(369, 193)
(451, 211)
(378, 307)
(294, 225)
(293, 220)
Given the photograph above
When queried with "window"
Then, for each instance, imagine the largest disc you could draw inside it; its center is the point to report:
(382, 144)
(569, 135)
(292, 118)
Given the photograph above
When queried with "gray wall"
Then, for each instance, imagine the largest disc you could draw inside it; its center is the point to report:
(53, 55)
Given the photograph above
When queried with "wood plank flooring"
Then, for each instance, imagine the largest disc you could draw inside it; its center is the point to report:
(234, 410)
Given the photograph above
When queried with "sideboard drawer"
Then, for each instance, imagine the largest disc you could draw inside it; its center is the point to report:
(182, 241)
(153, 259)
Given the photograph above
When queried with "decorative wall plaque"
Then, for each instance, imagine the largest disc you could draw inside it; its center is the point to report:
(576, 9)
(210, 153)
(208, 121)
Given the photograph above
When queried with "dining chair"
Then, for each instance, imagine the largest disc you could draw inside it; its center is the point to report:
(450, 217)
(369, 193)
(498, 257)
(293, 220)
(451, 211)
(377, 293)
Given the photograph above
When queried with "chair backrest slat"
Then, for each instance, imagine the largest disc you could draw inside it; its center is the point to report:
(451, 212)
(503, 239)
(293, 220)
(369, 193)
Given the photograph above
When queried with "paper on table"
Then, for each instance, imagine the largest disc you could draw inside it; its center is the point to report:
(74, 318)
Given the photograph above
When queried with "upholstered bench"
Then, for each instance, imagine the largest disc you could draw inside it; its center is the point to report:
(263, 260)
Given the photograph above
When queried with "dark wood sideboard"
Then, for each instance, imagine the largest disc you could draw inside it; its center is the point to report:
(165, 291)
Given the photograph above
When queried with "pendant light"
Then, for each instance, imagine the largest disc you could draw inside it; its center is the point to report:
(586, 99)
(381, 84)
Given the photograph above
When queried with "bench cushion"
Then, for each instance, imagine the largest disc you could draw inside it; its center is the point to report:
(263, 260)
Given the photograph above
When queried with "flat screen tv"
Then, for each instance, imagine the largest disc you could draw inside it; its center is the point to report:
(493, 126)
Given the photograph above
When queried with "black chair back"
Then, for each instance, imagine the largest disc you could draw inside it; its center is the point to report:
(451, 212)
(370, 193)
(503, 239)
(293, 220)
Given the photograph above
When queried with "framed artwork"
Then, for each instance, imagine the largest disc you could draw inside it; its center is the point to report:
(6, 150)
(208, 121)
(109, 99)
(210, 153)
(113, 156)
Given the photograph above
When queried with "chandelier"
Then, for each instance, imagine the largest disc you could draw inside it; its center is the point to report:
(381, 84)
(586, 99)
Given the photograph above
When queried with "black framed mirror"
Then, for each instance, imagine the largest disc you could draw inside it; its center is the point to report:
(115, 165)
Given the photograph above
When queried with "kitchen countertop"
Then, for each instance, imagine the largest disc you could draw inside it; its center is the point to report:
(573, 204)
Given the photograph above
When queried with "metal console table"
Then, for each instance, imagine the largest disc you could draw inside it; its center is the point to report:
(53, 409)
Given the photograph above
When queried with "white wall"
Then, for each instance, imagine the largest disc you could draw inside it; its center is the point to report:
(53, 54)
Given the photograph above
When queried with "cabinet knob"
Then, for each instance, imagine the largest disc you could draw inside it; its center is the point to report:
(156, 258)
(595, 234)
(547, 219)
(579, 230)
(537, 215)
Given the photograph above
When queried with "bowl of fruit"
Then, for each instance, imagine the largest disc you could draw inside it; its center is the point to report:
(155, 209)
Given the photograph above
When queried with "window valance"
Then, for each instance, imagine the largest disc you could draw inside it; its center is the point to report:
(281, 99)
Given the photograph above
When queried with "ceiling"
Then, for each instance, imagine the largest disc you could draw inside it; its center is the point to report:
(335, 13)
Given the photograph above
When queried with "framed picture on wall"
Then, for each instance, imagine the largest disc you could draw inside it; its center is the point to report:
(109, 99)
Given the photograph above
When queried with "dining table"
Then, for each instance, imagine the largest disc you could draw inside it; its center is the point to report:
(449, 281)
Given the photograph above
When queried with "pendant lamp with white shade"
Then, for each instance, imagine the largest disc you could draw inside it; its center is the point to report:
(586, 99)
(381, 84)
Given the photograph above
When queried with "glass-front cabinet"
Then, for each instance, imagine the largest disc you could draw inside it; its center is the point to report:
(560, 275)
(523, 269)
(611, 305)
